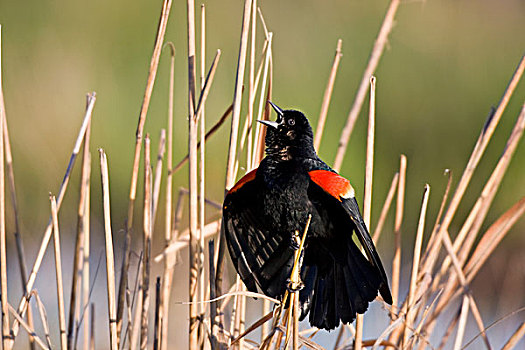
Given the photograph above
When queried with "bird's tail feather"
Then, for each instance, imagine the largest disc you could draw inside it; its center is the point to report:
(341, 289)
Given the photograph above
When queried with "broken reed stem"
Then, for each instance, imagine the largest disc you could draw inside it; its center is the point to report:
(410, 312)
(47, 233)
(328, 95)
(3, 257)
(386, 208)
(146, 244)
(367, 198)
(110, 259)
(29, 329)
(87, 248)
(433, 246)
(168, 261)
(396, 262)
(193, 176)
(79, 244)
(375, 56)
(154, 63)
(58, 271)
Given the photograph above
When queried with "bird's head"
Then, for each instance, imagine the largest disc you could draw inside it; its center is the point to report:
(290, 135)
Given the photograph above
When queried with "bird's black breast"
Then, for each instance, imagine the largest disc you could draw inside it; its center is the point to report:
(284, 194)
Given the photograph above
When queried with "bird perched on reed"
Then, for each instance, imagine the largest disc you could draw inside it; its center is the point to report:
(264, 210)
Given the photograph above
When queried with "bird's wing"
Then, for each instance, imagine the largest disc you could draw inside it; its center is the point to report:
(260, 255)
(339, 188)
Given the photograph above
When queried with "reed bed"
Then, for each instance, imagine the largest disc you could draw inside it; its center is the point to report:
(440, 274)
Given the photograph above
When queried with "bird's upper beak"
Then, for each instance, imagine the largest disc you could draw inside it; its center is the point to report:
(279, 112)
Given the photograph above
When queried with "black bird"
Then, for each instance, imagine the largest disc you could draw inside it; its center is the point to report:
(262, 212)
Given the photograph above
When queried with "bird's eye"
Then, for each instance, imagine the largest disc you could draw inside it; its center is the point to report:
(291, 122)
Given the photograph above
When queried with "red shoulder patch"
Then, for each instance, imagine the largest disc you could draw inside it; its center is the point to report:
(332, 183)
(246, 178)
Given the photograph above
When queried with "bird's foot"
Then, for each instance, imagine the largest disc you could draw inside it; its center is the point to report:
(293, 287)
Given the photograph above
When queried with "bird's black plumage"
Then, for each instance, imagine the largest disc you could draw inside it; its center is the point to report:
(267, 206)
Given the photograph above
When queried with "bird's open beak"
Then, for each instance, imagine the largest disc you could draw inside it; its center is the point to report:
(279, 112)
(274, 125)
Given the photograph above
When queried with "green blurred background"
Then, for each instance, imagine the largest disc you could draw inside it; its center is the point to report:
(447, 63)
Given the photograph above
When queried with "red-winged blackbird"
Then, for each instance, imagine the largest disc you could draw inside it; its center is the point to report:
(262, 212)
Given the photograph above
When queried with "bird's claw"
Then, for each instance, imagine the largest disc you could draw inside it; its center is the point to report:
(295, 241)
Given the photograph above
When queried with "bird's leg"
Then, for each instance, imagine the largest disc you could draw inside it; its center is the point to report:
(293, 285)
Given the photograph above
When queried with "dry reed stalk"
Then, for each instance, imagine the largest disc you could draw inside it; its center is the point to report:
(202, 175)
(259, 131)
(156, 329)
(146, 244)
(232, 148)
(462, 323)
(447, 243)
(47, 234)
(154, 63)
(328, 95)
(58, 271)
(210, 132)
(396, 261)
(367, 198)
(237, 94)
(134, 332)
(248, 125)
(3, 257)
(110, 260)
(410, 312)
(158, 175)
(29, 329)
(78, 257)
(515, 338)
(168, 261)
(183, 240)
(251, 81)
(87, 252)
(492, 237)
(433, 246)
(43, 316)
(193, 187)
(92, 332)
(386, 208)
(377, 51)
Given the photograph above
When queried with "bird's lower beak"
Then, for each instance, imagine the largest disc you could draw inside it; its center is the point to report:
(274, 125)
